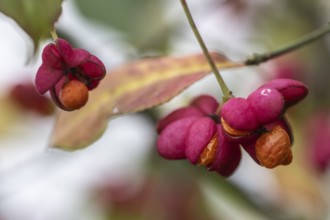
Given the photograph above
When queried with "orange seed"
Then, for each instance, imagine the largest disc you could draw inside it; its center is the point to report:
(274, 148)
(74, 95)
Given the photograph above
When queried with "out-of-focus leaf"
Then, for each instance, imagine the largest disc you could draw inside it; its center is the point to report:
(130, 88)
(300, 189)
(167, 196)
(141, 21)
(36, 17)
(9, 116)
(232, 202)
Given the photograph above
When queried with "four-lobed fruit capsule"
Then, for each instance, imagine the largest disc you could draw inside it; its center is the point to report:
(204, 137)
(61, 65)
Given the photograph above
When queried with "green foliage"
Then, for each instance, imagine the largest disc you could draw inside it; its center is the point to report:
(141, 21)
(35, 17)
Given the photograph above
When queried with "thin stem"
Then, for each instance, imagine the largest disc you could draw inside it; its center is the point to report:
(226, 92)
(54, 34)
(260, 58)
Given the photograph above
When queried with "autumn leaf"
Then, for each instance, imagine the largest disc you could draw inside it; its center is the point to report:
(35, 17)
(130, 88)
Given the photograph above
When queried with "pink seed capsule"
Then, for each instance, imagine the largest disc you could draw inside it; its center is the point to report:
(206, 104)
(61, 63)
(200, 136)
(176, 115)
(293, 91)
(267, 104)
(239, 115)
(171, 141)
(227, 156)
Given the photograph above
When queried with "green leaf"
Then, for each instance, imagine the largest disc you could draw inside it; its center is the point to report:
(35, 17)
(141, 21)
(130, 88)
(231, 201)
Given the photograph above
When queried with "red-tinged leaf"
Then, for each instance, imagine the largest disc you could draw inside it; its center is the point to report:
(130, 88)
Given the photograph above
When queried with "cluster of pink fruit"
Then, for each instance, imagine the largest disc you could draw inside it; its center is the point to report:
(68, 74)
(208, 134)
(204, 133)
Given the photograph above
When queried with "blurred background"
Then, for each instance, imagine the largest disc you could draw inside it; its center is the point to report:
(121, 176)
